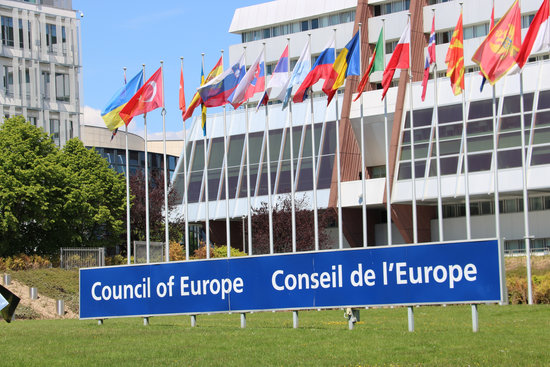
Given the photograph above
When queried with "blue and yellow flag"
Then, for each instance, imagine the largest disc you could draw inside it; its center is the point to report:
(118, 101)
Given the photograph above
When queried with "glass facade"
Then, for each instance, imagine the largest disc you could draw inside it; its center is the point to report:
(280, 163)
(479, 136)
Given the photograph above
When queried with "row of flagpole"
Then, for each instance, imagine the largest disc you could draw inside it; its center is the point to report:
(240, 93)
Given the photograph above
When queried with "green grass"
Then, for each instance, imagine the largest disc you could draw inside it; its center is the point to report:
(508, 336)
(54, 283)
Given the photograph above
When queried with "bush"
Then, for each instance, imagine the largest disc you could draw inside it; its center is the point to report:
(517, 289)
(116, 260)
(24, 262)
(177, 252)
(216, 252)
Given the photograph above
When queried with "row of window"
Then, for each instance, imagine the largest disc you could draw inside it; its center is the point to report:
(62, 84)
(391, 7)
(280, 169)
(514, 205)
(537, 245)
(8, 39)
(117, 160)
(301, 26)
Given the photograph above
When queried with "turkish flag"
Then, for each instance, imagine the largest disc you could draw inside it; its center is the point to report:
(149, 97)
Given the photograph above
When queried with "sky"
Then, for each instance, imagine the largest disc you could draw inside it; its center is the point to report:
(124, 33)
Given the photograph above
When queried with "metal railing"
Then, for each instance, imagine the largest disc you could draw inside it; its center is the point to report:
(79, 257)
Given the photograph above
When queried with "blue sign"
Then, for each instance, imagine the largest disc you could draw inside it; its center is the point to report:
(461, 272)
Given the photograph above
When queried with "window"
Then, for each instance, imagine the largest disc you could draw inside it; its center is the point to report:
(22, 33)
(8, 80)
(62, 90)
(315, 23)
(71, 129)
(7, 30)
(390, 46)
(32, 120)
(526, 20)
(45, 85)
(51, 36)
(304, 25)
(266, 33)
(54, 130)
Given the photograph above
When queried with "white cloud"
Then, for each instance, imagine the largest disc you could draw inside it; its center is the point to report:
(91, 116)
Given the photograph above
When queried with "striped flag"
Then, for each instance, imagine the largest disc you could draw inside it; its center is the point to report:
(376, 64)
(430, 59)
(399, 59)
(538, 35)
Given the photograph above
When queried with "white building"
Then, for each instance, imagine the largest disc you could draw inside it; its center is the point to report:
(40, 65)
(273, 22)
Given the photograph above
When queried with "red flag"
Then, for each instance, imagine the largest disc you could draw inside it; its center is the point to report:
(425, 78)
(182, 94)
(399, 59)
(455, 58)
(149, 97)
(496, 54)
(197, 100)
(538, 35)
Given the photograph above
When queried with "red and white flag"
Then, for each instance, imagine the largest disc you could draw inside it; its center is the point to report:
(399, 59)
(149, 97)
(430, 59)
(538, 35)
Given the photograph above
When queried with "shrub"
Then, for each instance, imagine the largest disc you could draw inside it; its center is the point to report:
(517, 289)
(177, 253)
(24, 262)
(216, 252)
(116, 260)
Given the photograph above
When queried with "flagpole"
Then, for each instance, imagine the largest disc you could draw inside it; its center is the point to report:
(185, 196)
(147, 227)
(292, 188)
(206, 201)
(413, 173)
(128, 234)
(339, 180)
(495, 172)
(527, 237)
(313, 170)
(166, 223)
(269, 198)
(466, 170)
(226, 179)
(438, 162)
(363, 165)
(247, 146)
(387, 148)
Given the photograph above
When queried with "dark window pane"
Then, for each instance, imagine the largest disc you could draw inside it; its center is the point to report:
(450, 131)
(480, 143)
(544, 100)
(479, 162)
(421, 118)
(480, 109)
(509, 158)
(325, 172)
(314, 23)
(304, 25)
(305, 180)
(450, 113)
(194, 187)
(213, 183)
(512, 103)
(541, 155)
(542, 118)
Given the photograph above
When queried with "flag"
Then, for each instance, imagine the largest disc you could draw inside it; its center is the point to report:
(538, 35)
(431, 43)
(216, 70)
(322, 69)
(149, 97)
(299, 73)
(279, 79)
(376, 64)
(252, 83)
(492, 24)
(110, 113)
(425, 78)
(455, 59)
(430, 59)
(399, 59)
(496, 54)
(3, 302)
(346, 64)
(182, 94)
(217, 91)
(203, 107)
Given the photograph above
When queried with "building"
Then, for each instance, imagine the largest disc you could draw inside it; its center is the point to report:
(40, 65)
(114, 150)
(274, 22)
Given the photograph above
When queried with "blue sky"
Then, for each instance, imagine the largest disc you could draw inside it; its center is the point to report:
(117, 34)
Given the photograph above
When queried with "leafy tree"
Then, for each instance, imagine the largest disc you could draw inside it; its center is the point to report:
(51, 198)
(95, 206)
(282, 227)
(32, 189)
(156, 208)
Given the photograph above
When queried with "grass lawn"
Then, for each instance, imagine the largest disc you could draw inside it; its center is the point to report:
(508, 336)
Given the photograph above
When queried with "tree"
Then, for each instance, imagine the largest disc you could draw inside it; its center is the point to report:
(95, 203)
(282, 224)
(156, 208)
(32, 188)
(51, 198)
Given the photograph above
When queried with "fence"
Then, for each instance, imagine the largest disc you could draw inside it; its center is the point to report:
(156, 252)
(82, 257)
